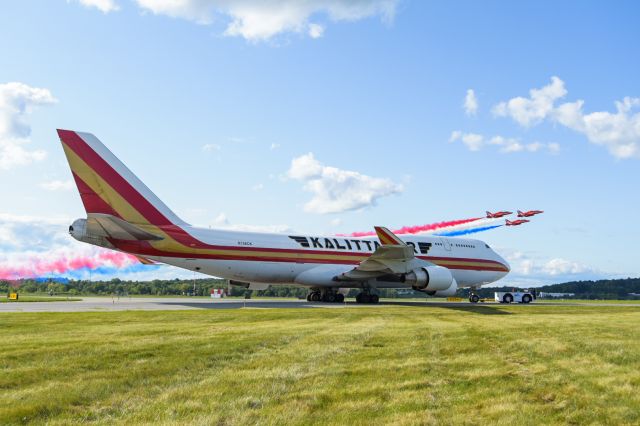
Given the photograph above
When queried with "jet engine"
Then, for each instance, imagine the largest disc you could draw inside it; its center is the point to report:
(431, 278)
(451, 291)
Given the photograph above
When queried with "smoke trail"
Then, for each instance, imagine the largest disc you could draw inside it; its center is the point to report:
(465, 231)
(480, 223)
(83, 273)
(58, 263)
(418, 228)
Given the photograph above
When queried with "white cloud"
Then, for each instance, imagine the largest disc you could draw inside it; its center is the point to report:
(222, 222)
(473, 141)
(533, 270)
(211, 147)
(618, 132)
(316, 30)
(17, 101)
(470, 103)
(559, 266)
(476, 142)
(305, 167)
(532, 110)
(274, 146)
(335, 190)
(58, 185)
(31, 232)
(336, 221)
(257, 187)
(261, 20)
(105, 6)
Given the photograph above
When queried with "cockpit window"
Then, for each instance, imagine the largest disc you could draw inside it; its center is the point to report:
(487, 246)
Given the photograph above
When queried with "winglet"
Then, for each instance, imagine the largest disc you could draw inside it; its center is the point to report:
(388, 238)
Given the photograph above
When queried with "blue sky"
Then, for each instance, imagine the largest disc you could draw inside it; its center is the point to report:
(210, 102)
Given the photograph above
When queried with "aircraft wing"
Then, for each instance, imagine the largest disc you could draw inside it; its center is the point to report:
(113, 227)
(392, 257)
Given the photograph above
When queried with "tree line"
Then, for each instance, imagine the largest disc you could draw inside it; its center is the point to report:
(602, 289)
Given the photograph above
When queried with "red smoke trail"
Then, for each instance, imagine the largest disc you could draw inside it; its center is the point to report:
(417, 228)
(36, 266)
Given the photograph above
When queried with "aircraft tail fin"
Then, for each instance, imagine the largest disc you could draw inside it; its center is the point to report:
(108, 187)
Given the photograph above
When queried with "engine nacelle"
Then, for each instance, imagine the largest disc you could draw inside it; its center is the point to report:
(431, 278)
(451, 291)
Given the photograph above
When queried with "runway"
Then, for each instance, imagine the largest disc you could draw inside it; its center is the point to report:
(103, 304)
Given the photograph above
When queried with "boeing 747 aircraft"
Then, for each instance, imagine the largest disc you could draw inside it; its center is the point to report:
(124, 215)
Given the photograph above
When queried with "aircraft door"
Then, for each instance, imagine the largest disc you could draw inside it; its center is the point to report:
(446, 244)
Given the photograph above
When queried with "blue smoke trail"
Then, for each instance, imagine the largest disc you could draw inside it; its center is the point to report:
(466, 231)
(83, 273)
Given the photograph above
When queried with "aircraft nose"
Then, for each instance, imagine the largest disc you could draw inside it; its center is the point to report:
(504, 263)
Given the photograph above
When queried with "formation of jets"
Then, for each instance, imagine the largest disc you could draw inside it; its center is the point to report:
(528, 213)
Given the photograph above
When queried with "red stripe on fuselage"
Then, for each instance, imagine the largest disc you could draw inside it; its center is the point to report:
(121, 244)
(146, 249)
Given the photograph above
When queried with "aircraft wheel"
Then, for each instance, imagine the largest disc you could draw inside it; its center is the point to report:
(507, 298)
(373, 298)
(309, 297)
(315, 297)
(330, 297)
(339, 298)
(526, 299)
(474, 298)
(363, 298)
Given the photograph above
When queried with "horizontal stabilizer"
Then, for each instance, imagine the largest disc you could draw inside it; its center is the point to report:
(145, 261)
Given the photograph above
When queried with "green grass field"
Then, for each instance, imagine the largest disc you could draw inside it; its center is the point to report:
(368, 365)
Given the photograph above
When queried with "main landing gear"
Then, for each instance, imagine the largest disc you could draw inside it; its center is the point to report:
(325, 295)
(367, 298)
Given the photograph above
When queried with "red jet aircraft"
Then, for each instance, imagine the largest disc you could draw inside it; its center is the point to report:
(516, 222)
(497, 214)
(529, 213)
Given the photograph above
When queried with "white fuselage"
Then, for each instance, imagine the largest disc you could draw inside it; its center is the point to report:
(314, 261)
